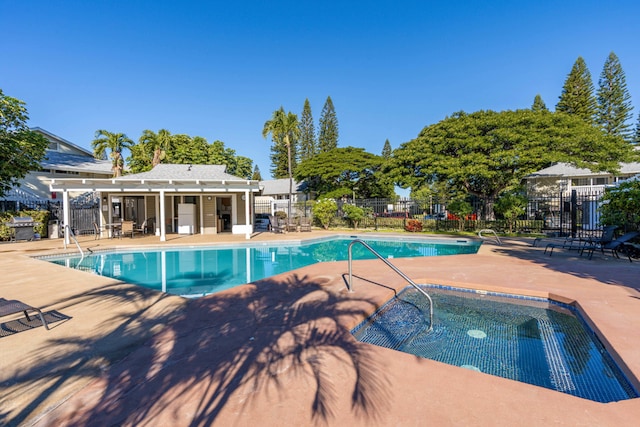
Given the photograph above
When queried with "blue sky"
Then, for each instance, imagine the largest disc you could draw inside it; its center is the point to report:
(218, 69)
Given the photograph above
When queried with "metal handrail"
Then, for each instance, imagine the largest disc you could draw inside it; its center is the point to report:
(394, 268)
(495, 235)
(72, 234)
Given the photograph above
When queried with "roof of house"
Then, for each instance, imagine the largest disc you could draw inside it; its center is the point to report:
(567, 170)
(184, 172)
(281, 186)
(52, 137)
(74, 162)
(185, 178)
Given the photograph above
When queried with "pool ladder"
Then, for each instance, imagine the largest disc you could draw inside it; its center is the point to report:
(394, 268)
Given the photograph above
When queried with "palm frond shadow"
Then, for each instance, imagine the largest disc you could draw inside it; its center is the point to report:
(226, 342)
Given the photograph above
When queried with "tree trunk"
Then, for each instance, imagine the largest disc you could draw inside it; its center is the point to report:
(286, 141)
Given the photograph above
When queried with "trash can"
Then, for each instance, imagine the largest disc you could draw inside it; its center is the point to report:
(54, 229)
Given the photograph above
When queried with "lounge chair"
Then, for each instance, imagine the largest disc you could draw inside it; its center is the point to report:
(8, 307)
(614, 246)
(580, 243)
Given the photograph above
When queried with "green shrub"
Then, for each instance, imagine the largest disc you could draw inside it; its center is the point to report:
(324, 210)
(353, 213)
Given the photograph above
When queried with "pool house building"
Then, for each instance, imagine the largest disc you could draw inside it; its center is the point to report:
(184, 199)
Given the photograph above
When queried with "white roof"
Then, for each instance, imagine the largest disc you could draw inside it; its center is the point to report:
(171, 178)
(275, 187)
(203, 172)
(567, 170)
(55, 160)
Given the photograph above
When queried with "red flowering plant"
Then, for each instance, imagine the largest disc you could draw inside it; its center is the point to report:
(413, 225)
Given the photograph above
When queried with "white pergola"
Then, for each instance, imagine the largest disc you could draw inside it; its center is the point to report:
(141, 184)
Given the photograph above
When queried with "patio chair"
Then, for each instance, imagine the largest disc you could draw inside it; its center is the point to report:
(614, 245)
(305, 224)
(97, 231)
(277, 226)
(127, 228)
(143, 227)
(292, 224)
(8, 307)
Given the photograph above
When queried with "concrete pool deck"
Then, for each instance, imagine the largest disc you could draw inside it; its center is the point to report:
(279, 352)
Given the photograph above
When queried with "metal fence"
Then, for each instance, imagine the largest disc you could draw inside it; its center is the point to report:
(569, 214)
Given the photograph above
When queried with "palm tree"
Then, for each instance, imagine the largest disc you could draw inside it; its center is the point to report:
(114, 142)
(159, 143)
(283, 127)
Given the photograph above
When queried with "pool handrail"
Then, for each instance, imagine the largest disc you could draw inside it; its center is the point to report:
(68, 229)
(495, 235)
(394, 268)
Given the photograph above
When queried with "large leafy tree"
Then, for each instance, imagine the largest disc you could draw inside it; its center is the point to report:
(115, 143)
(308, 145)
(243, 167)
(283, 128)
(343, 171)
(21, 149)
(328, 132)
(487, 152)
(577, 96)
(614, 101)
(183, 150)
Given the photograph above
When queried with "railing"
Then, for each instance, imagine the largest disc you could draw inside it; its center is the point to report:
(68, 229)
(394, 268)
(495, 235)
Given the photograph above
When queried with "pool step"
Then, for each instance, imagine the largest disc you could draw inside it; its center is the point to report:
(558, 370)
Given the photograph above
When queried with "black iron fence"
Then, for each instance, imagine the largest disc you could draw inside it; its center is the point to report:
(568, 214)
(571, 214)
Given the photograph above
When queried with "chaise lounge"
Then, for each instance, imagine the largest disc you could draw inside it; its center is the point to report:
(8, 307)
(614, 245)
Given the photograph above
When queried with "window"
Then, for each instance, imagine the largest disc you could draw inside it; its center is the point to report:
(601, 181)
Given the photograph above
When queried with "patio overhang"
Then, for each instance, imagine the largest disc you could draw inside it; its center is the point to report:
(160, 186)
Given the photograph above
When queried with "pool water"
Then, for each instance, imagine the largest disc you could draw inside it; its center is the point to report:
(531, 340)
(198, 271)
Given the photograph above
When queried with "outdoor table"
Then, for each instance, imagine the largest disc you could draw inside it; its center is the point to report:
(114, 228)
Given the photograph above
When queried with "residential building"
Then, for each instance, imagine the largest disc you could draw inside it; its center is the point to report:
(63, 159)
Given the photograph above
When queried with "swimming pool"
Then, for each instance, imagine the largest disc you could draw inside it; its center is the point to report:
(198, 271)
(531, 340)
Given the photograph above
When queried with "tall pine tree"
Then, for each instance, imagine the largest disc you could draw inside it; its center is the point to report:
(308, 145)
(577, 93)
(328, 132)
(386, 150)
(538, 104)
(614, 101)
(256, 174)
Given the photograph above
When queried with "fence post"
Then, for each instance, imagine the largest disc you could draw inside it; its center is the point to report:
(574, 213)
